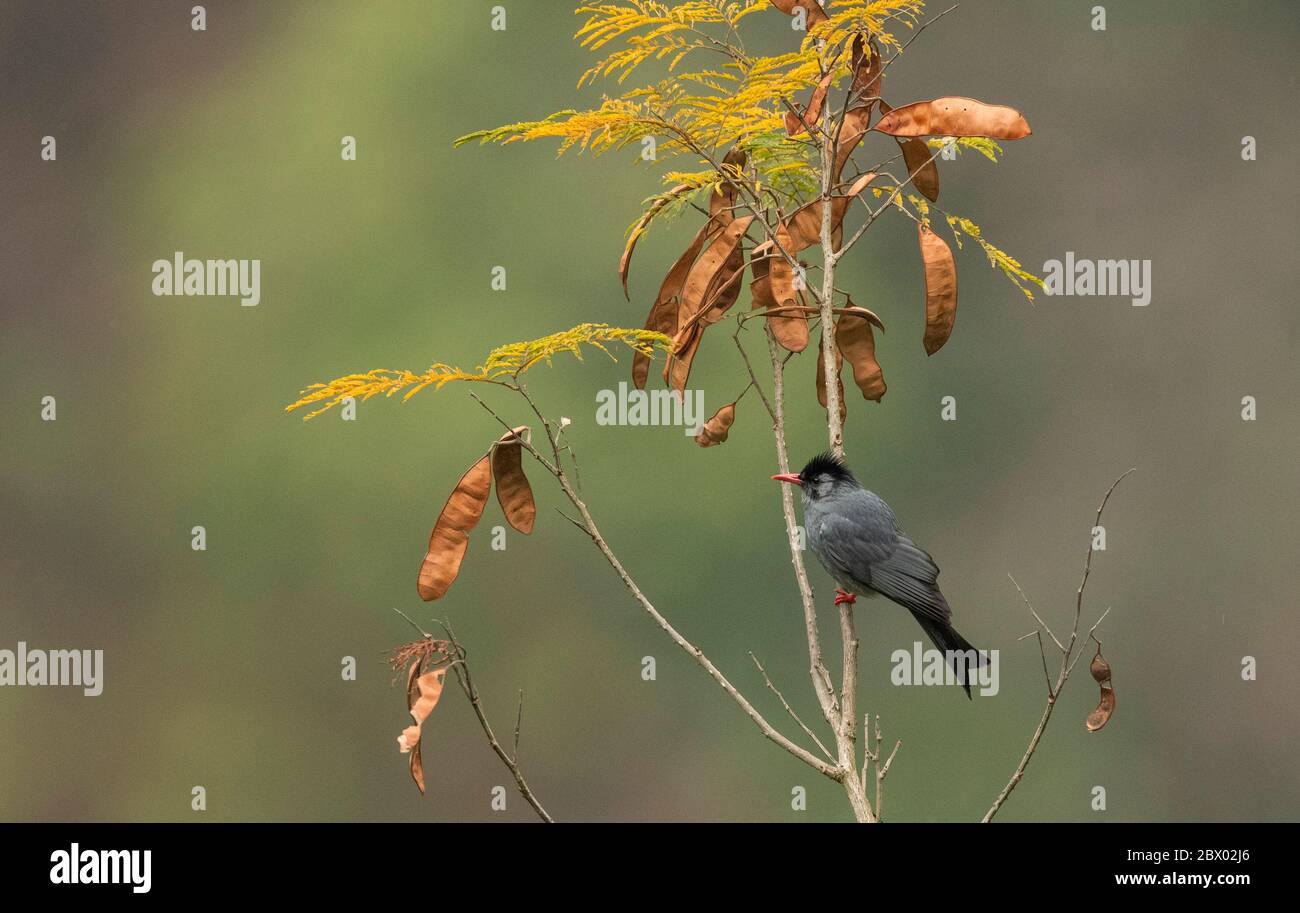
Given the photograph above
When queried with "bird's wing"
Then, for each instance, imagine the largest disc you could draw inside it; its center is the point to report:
(908, 575)
(849, 547)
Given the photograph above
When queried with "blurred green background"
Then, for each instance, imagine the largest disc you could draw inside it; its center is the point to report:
(222, 667)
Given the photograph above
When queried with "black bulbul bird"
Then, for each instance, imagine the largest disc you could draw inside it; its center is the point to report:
(856, 538)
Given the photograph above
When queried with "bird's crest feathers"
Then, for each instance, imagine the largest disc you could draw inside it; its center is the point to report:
(828, 464)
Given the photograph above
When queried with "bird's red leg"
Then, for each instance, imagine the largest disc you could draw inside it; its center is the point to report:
(842, 596)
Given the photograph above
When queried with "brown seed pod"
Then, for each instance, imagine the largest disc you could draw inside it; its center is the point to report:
(725, 289)
(449, 539)
(791, 332)
(854, 339)
(851, 133)
(919, 160)
(822, 398)
(804, 122)
(805, 226)
(867, 71)
(716, 429)
(811, 8)
(663, 317)
(514, 494)
(867, 74)
(940, 289)
(677, 368)
(953, 115)
(724, 198)
(790, 325)
(1100, 670)
(711, 265)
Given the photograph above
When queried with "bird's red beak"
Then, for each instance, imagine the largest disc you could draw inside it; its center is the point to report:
(790, 477)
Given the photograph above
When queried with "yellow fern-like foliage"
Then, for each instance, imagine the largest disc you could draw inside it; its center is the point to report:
(740, 101)
(757, 105)
(613, 125)
(503, 365)
(654, 31)
(868, 18)
(982, 144)
(670, 203)
(697, 112)
(1000, 259)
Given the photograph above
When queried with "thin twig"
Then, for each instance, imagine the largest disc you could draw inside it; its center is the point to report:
(753, 378)
(1042, 624)
(790, 710)
(1067, 666)
(557, 471)
(423, 632)
(466, 682)
(1051, 692)
(519, 722)
(577, 523)
(881, 773)
(1091, 636)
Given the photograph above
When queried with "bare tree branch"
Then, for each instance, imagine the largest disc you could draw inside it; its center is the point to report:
(1067, 666)
(460, 666)
(790, 710)
(689, 648)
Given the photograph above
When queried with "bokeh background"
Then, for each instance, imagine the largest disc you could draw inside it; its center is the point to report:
(223, 667)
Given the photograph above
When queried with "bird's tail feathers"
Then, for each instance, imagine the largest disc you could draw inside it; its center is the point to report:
(955, 648)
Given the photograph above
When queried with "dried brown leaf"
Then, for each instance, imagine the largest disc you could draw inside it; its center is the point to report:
(409, 740)
(430, 687)
(716, 429)
(417, 764)
(422, 695)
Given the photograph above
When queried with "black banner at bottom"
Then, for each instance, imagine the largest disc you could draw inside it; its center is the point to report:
(398, 862)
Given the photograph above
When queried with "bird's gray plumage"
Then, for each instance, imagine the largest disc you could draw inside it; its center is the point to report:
(855, 536)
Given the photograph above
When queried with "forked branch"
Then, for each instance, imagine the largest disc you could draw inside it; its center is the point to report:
(1068, 660)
